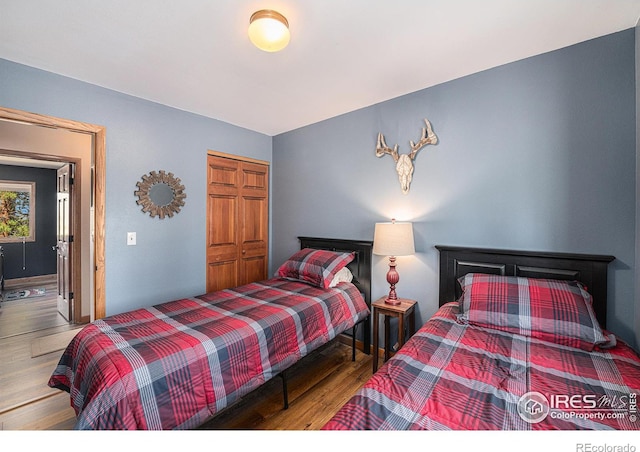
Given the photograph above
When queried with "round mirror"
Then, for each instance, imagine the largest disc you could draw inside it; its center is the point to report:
(160, 194)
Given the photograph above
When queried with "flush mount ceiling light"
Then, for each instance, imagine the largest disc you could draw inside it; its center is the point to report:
(269, 30)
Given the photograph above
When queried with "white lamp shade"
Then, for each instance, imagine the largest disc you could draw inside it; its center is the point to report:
(393, 239)
(269, 30)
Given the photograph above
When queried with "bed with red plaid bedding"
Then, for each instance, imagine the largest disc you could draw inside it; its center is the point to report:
(453, 375)
(174, 365)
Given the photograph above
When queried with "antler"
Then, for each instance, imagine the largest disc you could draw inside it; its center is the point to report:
(382, 148)
(428, 137)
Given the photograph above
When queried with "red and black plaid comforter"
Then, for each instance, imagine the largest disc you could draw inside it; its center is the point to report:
(174, 365)
(455, 376)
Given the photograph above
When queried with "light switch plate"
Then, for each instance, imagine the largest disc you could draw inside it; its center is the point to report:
(131, 238)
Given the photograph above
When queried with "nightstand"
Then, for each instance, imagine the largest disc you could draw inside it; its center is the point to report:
(402, 311)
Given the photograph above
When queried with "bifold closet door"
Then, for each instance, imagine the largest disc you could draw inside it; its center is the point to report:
(237, 222)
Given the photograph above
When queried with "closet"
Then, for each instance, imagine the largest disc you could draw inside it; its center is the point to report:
(237, 220)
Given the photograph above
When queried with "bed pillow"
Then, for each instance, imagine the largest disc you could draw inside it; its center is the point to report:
(344, 275)
(546, 309)
(316, 267)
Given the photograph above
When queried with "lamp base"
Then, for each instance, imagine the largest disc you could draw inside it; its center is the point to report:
(392, 301)
(392, 278)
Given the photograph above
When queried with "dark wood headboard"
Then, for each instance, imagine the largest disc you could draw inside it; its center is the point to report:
(589, 269)
(360, 268)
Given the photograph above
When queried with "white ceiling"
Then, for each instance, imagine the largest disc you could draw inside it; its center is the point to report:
(344, 54)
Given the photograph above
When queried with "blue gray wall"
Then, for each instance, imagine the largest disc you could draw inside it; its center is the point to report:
(539, 154)
(535, 155)
(169, 259)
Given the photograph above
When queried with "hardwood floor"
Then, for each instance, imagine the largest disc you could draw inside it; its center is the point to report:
(318, 386)
(26, 402)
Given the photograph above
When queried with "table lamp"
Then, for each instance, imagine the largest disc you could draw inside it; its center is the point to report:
(393, 239)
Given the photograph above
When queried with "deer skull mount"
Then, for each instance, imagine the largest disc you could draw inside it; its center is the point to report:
(404, 162)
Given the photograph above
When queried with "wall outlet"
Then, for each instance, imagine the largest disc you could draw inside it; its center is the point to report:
(131, 238)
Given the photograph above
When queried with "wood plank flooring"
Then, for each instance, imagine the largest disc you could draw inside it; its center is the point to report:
(318, 386)
(26, 402)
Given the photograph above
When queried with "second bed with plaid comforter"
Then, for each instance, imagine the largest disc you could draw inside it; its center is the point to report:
(174, 365)
(454, 375)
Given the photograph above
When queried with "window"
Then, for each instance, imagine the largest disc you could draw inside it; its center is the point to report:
(17, 211)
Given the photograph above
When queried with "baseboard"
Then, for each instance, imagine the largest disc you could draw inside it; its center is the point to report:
(29, 281)
(347, 340)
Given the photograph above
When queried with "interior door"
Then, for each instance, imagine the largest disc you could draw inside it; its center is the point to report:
(65, 241)
(254, 223)
(237, 222)
(222, 223)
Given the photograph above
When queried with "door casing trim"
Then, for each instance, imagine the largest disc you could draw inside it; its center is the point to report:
(99, 186)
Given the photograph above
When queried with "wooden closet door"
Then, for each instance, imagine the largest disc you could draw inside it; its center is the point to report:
(237, 222)
(223, 207)
(254, 222)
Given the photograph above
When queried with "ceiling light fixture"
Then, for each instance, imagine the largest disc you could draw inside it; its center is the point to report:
(269, 30)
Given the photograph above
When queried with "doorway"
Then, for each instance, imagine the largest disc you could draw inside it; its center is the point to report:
(36, 258)
(89, 249)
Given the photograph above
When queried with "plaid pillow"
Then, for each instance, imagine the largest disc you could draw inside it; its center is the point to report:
(546, 309)
(316, 267)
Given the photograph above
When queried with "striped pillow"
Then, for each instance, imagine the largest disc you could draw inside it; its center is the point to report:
(546, 309)
(316, 267)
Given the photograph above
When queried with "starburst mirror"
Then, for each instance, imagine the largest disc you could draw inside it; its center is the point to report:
(160, 194)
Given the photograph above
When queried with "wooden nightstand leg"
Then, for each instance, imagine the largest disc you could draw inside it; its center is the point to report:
(387, 354)
(353, 342)
(376, 345)
(400, 331)
(412, 323)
